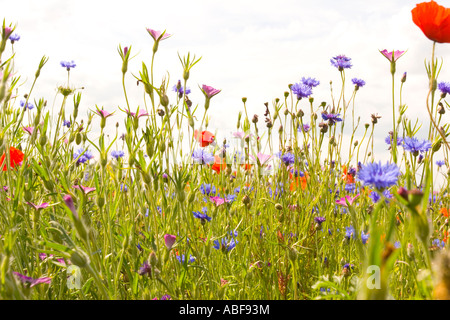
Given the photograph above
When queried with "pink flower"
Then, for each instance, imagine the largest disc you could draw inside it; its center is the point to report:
(69, 203)
(37, 207)
(29, 130)
(209, 92)
(239, 134)
(32, 281)
(218, 200)
(158, 35)
(261, 158)
(388, 55)
(84, 189)
(350, 200)
(103, 113)
(8, 31)
(169, 240)
(140, 113)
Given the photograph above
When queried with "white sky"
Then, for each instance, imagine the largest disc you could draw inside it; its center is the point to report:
(250, 49)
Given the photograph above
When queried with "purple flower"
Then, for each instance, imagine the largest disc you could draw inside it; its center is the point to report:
(38, 207)
(364, 237)
(358, 82)
(378, 175)
(440, 163)
(375, 196)
(180, 90)
(319, 220)
(444, 87)
(182, 259)
(203, 157)
(68, 65)
(310, 82)
(305, 128)
(349, 232)
(82, 155)
(84, 189)
(389, 139)
(158, 35)
(288, 158)
(301, 90)
(32, 281)
(116, 154)
(145, 269)
(166, 297)
(169, 240)
(66, 123)
(29, 105)
(207, 189)
(341, 62)
(202, 215)
(225, 245)
(69, 203)
(331, 118)
(415, 146)
(14, 37)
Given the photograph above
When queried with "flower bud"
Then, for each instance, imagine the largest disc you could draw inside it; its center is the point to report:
(278, 206)
(79, 258)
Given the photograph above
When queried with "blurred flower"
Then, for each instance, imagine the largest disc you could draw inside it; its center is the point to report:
(218, 164)
(388, 55)
(140, 113)
(378, 175)
(68, 65)
(182, 258)
(84, 189)
(38, 207)
(66, 123)
(209, 92)
(202, 215)
(180, 90)
(433, 20)
(288, 158)
(389, 139)
(32, 281)
(205, 138)
(444, 87)
(145, 269)
(343, 201)
(440, 163)
(218, 200)
(358, 82)
(84, 155)
(341, 62)
(364, 237)
(310, 82)
(260, 159)
(415, 146)
(349, 232)
(207, 189)
(375, 196)
(15, 158)
(166, 297)
(14, 37)
(202, 156)
(30, 106)
(301, 90)
(28, 130)
(116, 154)
(169, 240)
(305, 128)
(331, 118)
(225, 245)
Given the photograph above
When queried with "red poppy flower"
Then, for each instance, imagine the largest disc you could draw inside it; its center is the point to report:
(298, 181)
(218, 164)
(433, 20)
(205, 139)
(347, 177)
(444, 212)
(15, 157)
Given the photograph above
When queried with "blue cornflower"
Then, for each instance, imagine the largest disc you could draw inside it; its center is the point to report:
(123, 187)
(85, 155)
(350, 187)
(288, 158)
(440, 163)
(438, 243)
(349, 232)
(310, 82)
(341, 62)
(182, 258)
(231, 198)
(319, 220)
(202, 215)
(207, 189)
(375, 196)
(29, 105)
(145, 269)
(225, 245)
(358, 82)
(389, 139)
(397, 245)
(301, 90)
(378, 175)
(68, 65)
(116, 154)
(203, 157)
(180, 91)
(305, 128)
(444, 87)
(14, 37)
(364, 237)
(66, 123)
(331, 117)
(415, 146)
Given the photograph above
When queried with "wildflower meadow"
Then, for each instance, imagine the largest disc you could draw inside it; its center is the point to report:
(168, 209)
